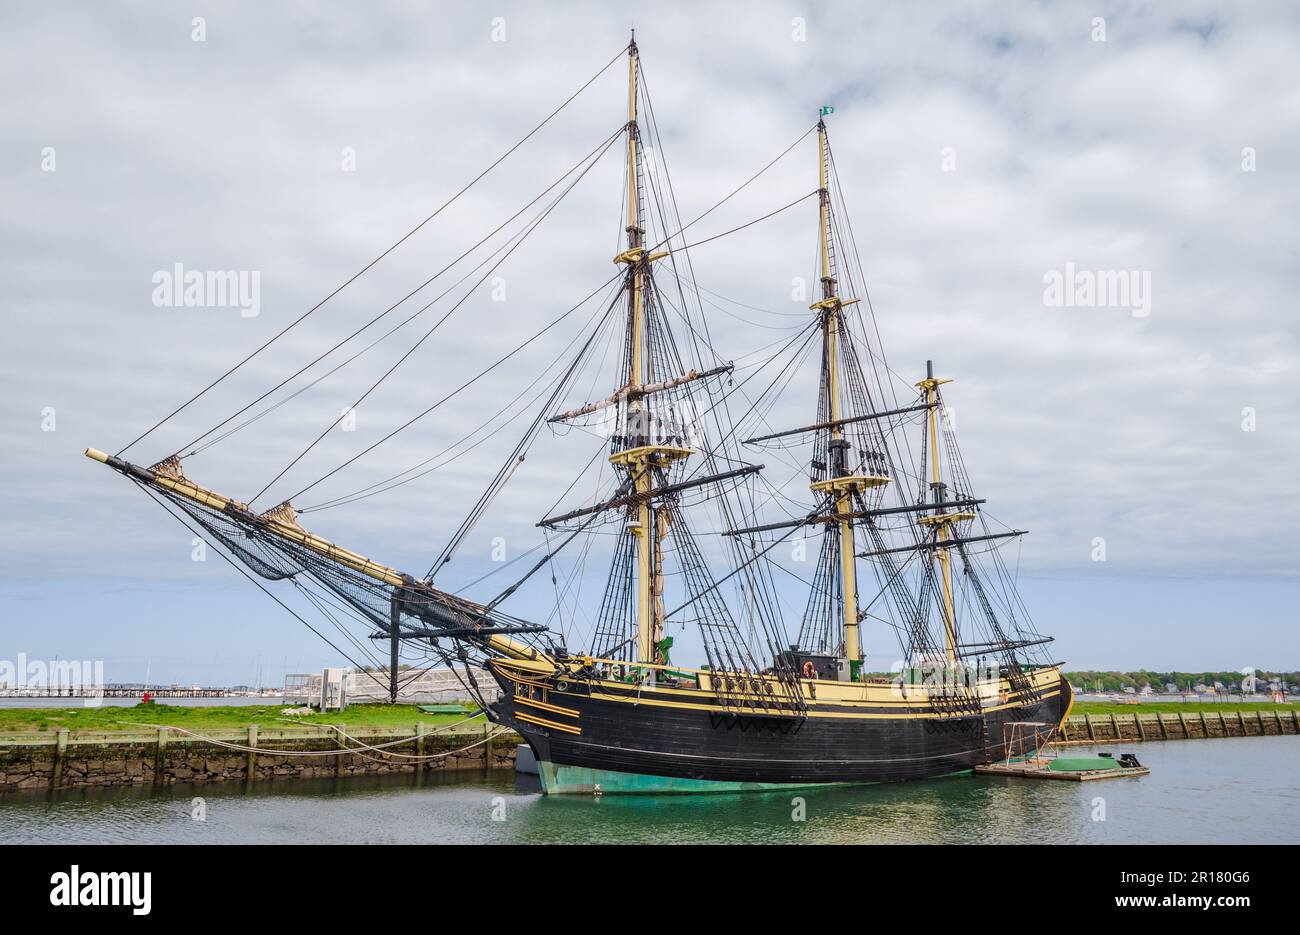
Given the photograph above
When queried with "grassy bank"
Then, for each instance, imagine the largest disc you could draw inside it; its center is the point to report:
(404, 715)
(1173, 707)
(198, 718)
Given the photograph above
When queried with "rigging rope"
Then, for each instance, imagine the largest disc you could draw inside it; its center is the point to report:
(496, 364)
(423, 468)
(533, 226)
(517, 456)
(224, 435)
(381, 256)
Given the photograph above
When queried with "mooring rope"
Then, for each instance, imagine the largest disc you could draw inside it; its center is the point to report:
(360, 750)
(408, 756)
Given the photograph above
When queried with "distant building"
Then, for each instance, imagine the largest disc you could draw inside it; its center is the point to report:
(416, 686)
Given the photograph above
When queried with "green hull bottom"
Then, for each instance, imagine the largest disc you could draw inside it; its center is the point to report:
(580, 780)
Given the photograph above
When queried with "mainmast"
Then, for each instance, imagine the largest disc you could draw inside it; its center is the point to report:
(635, 233)
(941, 518)
(843, 483)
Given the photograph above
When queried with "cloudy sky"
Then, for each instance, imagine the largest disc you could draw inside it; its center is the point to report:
(984, 151)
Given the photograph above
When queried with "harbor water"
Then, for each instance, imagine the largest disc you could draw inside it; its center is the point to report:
(1230, 791)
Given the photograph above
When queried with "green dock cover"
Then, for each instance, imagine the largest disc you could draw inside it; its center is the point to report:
(1079, 764)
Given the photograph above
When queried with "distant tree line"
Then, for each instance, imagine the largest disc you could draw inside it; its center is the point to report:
(1230, 681)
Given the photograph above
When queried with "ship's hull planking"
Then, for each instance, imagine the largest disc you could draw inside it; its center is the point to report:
(625, 741)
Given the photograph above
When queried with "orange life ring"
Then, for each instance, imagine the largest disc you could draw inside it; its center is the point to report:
(809, 670)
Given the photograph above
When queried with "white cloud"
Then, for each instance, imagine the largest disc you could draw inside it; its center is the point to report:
(225, 155)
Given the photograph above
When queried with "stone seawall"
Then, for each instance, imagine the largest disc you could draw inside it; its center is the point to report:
(1198, 725)
(35, 760)
(38, 760)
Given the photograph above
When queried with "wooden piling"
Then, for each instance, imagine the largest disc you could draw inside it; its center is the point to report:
(251, 772)
(160, 758)
(60, 756)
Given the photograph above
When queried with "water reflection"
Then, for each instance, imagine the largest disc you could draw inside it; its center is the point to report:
(1235, 790)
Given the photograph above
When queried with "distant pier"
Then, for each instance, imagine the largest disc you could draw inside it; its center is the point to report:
(134, 691)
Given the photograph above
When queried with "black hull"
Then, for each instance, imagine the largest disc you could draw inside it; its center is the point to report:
(585, 739)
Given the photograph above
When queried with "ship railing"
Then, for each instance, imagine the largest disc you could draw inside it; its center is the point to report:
(738, 691)
(741, 692)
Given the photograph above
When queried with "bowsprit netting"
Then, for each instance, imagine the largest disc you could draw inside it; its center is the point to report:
(395, 606)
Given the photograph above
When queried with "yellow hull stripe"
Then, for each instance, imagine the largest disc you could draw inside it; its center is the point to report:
(1066, 716)
(541, 721)
(885, 698)
(812, 712)
(553, 708)
(828, 694)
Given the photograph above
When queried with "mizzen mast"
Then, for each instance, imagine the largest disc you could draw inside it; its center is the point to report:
(942, 518)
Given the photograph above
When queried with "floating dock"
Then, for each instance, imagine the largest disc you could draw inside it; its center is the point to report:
(1071, 768)
(1035, 738)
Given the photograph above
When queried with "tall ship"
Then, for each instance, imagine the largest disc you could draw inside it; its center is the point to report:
(864, 531)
